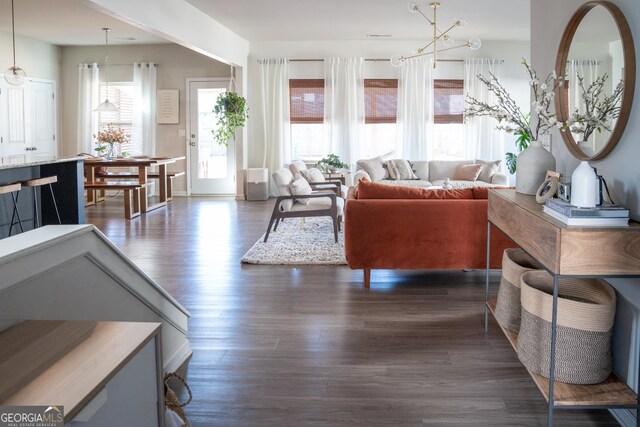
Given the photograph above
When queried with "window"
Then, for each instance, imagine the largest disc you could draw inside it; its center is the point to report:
(306, 103)
(380, 105)
(448, 119)
(120, 94)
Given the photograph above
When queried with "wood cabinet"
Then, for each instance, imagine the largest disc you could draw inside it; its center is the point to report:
(567, 251)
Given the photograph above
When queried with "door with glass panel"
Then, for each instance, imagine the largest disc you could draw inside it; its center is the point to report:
(211, 165)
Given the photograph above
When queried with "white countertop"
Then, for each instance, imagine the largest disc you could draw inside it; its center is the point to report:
(42, 162)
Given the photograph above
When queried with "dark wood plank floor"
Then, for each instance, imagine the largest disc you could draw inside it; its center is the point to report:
(307, 346)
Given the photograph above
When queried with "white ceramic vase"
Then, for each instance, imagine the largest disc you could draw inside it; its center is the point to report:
(583, 186)
(532, 166)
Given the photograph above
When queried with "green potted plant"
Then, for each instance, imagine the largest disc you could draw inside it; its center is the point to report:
(231, 112)
(331, 163)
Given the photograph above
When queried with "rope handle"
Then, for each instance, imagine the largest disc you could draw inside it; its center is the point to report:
(170, 375)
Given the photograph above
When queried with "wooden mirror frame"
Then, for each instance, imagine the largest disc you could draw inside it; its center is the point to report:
(629, 76)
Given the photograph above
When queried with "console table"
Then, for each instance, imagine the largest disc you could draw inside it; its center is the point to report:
(565, 251)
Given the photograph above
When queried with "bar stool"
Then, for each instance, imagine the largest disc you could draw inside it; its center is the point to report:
(13, 189)
(39, 182)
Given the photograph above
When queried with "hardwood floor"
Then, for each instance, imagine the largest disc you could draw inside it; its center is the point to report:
(308, 346)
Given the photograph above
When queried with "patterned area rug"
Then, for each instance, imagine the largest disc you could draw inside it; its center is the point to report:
(299, 244)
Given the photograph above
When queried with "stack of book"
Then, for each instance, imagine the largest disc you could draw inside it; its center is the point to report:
(606, 215)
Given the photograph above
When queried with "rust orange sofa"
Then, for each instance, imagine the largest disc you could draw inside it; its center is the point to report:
(416, 229)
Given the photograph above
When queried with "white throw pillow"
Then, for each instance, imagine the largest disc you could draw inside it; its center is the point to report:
(313, 175)
(399, 169)
(300, 187)
(374, 167)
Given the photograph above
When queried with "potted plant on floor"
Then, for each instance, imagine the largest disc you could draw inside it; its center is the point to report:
(231, 113)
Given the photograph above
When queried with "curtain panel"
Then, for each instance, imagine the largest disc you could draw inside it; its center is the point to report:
(344, 112)
(481, 139)
(273, 114)
(414, 139)
(144, 108)
(88, 99)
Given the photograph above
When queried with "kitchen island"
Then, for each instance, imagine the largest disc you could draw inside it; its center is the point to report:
(69, 192)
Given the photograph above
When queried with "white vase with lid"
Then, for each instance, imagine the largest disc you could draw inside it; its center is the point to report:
(532, 166)
(583, 186)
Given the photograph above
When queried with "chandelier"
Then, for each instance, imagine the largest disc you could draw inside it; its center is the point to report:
(431, 48)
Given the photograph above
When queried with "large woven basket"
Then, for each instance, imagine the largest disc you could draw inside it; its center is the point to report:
(515, 262)
(586, 309)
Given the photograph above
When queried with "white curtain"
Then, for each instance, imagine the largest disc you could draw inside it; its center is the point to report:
(273, 113)
(415, 110)
(344, 107)
(481, 139)
(144, 106)
(88, 99)
(588, 69)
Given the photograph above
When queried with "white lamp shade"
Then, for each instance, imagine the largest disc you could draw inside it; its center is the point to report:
(106, 106)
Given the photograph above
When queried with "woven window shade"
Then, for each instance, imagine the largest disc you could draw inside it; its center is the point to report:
(306, 98)
(380, 100)
(448, 101)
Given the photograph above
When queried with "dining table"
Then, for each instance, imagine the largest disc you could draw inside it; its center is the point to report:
(143, 164)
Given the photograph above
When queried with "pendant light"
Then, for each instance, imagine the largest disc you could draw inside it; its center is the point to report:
(106, 105)
(15, 75)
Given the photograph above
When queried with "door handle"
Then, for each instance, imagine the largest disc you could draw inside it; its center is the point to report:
(192, 143)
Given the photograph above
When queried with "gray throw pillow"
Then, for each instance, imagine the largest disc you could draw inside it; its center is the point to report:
(313, 175)
(374, 167)
(488, 170)
(399, 169)
(300, 187)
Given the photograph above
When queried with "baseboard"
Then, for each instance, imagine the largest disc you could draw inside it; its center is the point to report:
(626, 417)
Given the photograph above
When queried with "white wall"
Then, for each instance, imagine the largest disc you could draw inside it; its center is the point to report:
(620, 168)
(175, 65)
(514, 74)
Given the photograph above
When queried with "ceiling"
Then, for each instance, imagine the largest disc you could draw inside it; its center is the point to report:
(72, 22)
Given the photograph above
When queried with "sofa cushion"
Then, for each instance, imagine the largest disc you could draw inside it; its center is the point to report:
(411, 183)
(297, 166)
(300, 187)
(455, 184)
(421, 169)
(372, 190)
(374, 167)
(441, 169)
(283, 178)
(488, 169)
(467, 172)
(399, 169)
(312, 175)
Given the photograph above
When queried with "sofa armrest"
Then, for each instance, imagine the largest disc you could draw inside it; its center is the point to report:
(500, 179)
(359, 175)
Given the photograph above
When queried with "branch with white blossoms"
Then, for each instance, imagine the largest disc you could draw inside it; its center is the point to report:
(597, 113)
(509, 115)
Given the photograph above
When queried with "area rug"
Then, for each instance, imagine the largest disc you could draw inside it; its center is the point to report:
(299, 243)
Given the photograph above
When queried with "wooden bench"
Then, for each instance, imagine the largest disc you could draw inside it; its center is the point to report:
(132, 201)
(151, 175)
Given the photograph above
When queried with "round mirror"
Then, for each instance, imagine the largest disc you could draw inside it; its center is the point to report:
(597, 58)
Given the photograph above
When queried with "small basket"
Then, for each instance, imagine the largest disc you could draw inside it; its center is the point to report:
(586, 311)
(515, 262)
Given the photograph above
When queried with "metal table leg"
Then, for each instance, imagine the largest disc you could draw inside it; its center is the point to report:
(552, 361)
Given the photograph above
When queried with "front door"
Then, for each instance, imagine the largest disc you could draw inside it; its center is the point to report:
(211, 166)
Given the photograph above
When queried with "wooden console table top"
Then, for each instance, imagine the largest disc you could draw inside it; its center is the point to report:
(562, 249)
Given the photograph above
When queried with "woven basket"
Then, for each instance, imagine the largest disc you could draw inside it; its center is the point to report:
(586, 309)
(515, 262)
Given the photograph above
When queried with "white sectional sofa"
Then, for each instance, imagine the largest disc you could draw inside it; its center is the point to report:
(432, 173)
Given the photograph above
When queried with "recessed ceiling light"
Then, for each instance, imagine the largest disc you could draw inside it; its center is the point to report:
(379, 36)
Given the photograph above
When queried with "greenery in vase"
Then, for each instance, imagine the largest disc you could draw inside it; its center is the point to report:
(331, 162)
(598, 112)
(231, 113)
(511, 118)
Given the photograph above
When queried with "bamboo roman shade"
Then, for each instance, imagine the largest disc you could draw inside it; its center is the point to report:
(380, 100)
(448, 101)
(306, 100)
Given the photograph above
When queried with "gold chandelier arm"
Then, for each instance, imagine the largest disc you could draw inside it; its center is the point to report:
(417, 55)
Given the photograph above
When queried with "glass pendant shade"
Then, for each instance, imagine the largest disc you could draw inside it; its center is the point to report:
(474, 44)
(396, 60)
(106, 106)
(15, 76)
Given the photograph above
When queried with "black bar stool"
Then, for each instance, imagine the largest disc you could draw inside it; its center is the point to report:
(35, 183)
(13, 189)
